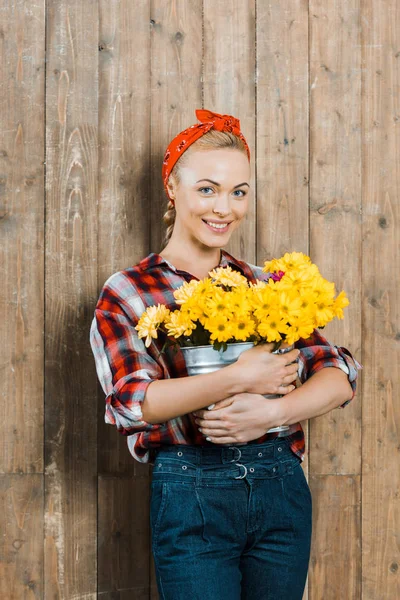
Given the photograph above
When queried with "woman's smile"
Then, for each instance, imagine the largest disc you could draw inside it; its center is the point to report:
(217, 226)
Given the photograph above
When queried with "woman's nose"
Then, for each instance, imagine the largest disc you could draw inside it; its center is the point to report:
(222, 206)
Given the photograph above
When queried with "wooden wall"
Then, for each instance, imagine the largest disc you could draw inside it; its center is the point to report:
(92, 91)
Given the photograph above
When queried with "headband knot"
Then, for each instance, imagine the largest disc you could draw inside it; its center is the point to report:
(185, 138)
(219, 122)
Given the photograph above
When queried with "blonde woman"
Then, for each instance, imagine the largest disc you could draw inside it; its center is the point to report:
(231, 509)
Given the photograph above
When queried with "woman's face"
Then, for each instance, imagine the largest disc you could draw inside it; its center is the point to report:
(214, 188)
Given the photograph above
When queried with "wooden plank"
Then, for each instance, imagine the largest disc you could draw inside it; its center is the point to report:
(22, 65)
(335, 245)
(229, 88)
(381, 300)
(124, 184)
(335, 209)
(21, 547)
(71, 291)
(334, 565)
(22, 68)
(282, 137)
(176, 92)
(124, 536)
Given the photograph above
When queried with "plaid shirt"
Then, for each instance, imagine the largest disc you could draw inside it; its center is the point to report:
(125, 367)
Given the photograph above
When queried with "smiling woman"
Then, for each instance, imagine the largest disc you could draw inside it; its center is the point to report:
(208, 496)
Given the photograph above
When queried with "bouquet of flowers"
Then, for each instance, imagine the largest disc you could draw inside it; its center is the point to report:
(226, 308)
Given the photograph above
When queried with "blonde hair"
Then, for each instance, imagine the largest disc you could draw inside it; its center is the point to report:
(211, 140)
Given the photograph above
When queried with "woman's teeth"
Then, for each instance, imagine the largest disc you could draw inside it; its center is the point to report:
(218, 226)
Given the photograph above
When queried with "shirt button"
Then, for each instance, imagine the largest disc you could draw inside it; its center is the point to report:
(274, 469)
(159, 465)
(251, 470)
(279, 448)
(260, 454)
(184, 467)
(180, 453)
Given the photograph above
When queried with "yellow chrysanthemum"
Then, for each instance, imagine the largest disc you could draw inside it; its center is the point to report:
(289, 261)
(262, 300)
(237, 300)
(149, 322)
(299, 329)
(217, 304)
(220, 328)
(178, 324)
(227, 276)
(183, 293)
(243, 326)
(298, 278)
(289, 305)
(273, 326)
(340, 302)
(324, 310)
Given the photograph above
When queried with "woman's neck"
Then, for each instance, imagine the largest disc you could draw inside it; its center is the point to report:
(196, 262)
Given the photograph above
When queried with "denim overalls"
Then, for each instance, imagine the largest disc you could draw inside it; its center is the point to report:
(230, 522)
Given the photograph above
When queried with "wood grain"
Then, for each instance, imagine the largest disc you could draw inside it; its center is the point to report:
(70, 293)
(229, 88)
(381, 301)
(282, 137)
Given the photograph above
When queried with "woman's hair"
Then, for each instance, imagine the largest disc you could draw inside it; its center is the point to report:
(211, 140)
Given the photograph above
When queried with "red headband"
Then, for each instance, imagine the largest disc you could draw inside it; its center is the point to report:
(185, 138)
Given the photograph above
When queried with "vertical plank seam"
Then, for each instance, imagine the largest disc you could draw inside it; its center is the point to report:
(44, 294)
(150, 189)
(360, 14)
(255, 135)
(202, 54)
(308, 438)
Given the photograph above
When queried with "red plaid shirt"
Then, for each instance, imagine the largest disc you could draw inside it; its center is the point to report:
(125, 367)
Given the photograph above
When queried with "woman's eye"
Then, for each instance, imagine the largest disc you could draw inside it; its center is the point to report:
(205, 188)
(242, 191)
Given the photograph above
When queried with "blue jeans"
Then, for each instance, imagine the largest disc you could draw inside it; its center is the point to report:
(230, 522)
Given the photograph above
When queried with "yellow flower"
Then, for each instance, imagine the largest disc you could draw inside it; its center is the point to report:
(178, 324)
(299, 329)
(242, 326)
(289, 261)
(272, 327)
(262, 300)
(340, 303)
(183, 293)
(298, 278)
(227, 276)
(237, 300)
(289, 305)
(150, 320)
(323, 310)
(220, 328)
(216, 305)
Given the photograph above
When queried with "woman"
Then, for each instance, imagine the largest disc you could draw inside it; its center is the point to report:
(230, 507)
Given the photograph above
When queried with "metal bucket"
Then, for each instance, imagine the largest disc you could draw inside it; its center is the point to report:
(204, 359)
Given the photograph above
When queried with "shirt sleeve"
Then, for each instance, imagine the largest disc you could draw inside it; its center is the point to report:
(316, 353)
(124, 368)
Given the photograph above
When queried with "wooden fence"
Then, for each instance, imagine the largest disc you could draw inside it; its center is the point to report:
(92, 91)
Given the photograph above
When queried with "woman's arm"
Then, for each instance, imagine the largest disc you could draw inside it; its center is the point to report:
(246, 417)
(327, 389)
(186, 394)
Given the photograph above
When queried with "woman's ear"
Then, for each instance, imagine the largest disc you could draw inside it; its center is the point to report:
(171, 186)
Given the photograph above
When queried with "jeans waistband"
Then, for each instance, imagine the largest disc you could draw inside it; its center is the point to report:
(276, 448)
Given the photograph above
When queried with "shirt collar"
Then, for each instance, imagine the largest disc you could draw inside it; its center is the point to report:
(153, 260)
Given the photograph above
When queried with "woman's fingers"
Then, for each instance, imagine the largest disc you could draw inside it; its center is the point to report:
(221, 440)
(206, 431)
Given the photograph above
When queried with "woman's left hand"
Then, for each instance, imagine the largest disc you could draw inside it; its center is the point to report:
(240, 418)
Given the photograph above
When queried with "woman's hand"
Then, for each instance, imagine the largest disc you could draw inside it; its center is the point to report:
(239, 418)
(265, 373)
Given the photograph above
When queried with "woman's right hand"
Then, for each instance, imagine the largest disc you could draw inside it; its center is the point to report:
(265, 373)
